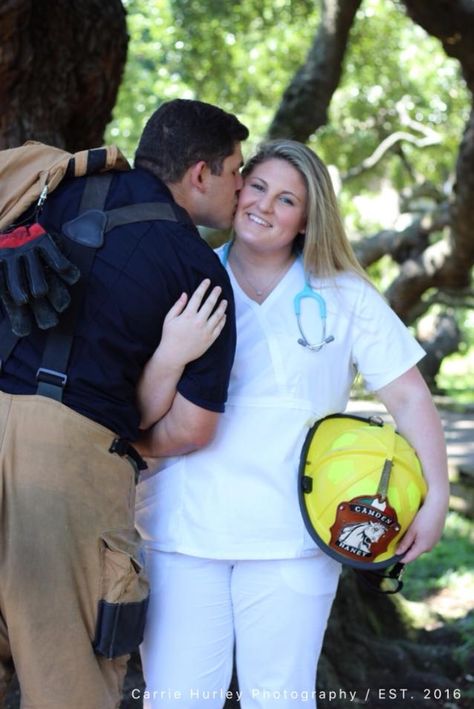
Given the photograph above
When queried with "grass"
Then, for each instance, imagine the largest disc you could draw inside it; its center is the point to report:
(450, 565)
(439, 587)
(456, 377)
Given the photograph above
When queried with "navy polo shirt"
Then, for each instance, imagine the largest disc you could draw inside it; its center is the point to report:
(137, 275)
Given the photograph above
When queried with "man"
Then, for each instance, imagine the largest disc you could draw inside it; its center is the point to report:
(72, 592)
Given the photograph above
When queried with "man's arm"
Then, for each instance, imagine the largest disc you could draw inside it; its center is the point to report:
(185, 428)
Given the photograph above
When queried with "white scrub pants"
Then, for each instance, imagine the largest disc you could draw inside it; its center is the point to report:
(275, 611)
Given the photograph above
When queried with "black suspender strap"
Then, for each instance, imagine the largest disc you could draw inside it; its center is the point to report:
(51, 375)
(134, 213)
(7, 341)
(95, 192)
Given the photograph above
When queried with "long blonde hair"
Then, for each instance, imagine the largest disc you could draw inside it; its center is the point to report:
(326, 249)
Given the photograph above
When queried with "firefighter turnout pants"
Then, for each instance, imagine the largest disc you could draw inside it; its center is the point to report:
(72, 591)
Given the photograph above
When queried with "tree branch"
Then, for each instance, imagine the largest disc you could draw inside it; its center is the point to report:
(409, 242)
(462, 299)
(439, 335)
(385, 146)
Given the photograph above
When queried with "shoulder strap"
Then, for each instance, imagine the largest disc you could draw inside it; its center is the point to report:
(95, 192)
(51, 375)
(7, 341)
(147, 211)
(388, 463)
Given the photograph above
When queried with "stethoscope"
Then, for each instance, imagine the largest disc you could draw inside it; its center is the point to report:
(307, 292)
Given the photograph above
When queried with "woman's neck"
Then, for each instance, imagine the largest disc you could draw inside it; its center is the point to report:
(259, 273)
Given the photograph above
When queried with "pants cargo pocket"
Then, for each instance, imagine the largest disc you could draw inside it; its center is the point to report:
(125, 592)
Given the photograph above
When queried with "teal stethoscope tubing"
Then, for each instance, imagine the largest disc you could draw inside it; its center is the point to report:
(307, 292)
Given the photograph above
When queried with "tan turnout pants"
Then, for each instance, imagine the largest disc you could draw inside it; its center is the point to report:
(67, 540)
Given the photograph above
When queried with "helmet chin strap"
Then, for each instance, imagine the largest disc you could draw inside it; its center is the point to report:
(382, 489)
(374, 580)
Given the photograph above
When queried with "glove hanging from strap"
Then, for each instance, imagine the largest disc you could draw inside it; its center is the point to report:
(34, 275)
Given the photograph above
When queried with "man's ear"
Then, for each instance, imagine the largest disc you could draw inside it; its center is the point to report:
(198, 174)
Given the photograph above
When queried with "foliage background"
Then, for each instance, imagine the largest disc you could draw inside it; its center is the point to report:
(242, 55)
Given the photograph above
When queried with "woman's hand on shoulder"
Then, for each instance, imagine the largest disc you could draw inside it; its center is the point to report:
(189, 329)
(193, 324)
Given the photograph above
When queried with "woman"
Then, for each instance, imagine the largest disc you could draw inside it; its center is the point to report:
(229, 558)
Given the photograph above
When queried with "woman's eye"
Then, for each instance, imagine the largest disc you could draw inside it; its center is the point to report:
(287, 200)
(257, 186)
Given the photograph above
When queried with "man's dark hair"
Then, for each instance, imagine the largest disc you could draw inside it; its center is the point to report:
(182, 132)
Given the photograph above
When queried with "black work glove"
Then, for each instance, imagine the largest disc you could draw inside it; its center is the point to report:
(34, 275)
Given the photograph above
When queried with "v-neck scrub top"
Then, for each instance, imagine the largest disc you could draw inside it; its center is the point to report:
(237, 498)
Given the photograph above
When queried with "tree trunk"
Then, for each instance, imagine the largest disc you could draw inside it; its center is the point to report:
(304, 105)
(452, 22)
(439, 336)
(60, 68)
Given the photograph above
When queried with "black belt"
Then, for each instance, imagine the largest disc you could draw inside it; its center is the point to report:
(124, 448)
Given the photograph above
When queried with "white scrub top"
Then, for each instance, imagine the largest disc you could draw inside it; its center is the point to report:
(238, 498)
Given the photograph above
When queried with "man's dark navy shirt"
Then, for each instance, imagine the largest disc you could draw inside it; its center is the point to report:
(137, 275)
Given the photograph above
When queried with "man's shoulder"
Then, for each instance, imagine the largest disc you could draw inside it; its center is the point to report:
(126, 187)
(136, 186)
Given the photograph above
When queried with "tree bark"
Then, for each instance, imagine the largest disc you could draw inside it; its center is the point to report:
(60, 68)
(439, 336)
(452, 22)
(405, 244)
(305, 102)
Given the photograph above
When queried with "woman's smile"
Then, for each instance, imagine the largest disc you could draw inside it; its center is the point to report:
(258, 220)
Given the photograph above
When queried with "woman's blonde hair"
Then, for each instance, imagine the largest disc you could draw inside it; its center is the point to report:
(326, 249)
